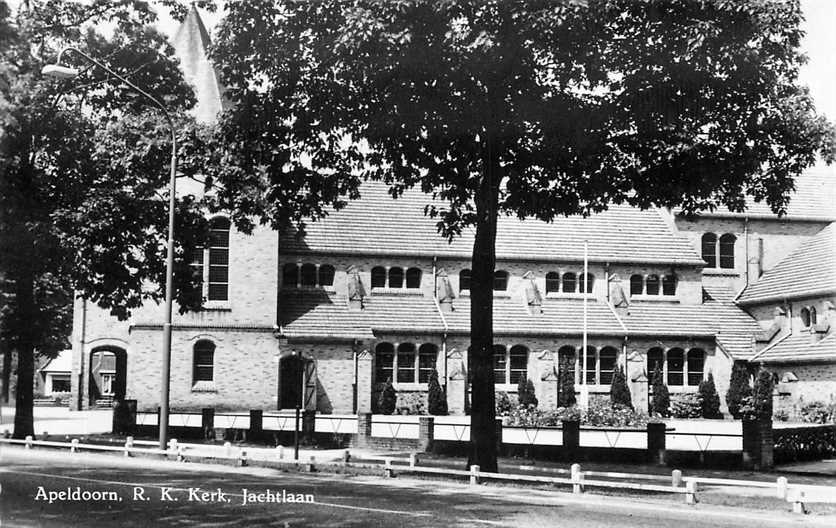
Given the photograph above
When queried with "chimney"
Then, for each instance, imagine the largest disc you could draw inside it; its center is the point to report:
(617, 296)
(356, 291)
(533, 298)
(444, 291)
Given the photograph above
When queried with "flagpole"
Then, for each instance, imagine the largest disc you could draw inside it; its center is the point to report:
(585, 288)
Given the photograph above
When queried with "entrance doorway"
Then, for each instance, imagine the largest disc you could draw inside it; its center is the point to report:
(290, 382)
(108, 375)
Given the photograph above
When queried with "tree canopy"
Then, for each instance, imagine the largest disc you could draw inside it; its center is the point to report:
(526, 108)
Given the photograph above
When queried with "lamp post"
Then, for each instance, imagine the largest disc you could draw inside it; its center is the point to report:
(64, 72)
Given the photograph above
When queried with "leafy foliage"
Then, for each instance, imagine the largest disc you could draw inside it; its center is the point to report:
(710, 398)
(525, 393)
(503, 404)
(388, 398)
(818, 412)
(566, 384)
(661, 399)
(761, 398)
(515, 108)
(436, 399)
(687, 405)
(619, 391)
(739, 389)
(603, 413)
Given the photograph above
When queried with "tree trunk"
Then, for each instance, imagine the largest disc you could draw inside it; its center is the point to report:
(480, 361)
(24, 424)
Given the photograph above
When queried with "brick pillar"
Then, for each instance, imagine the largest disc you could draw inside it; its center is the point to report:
(124, 417)
(364, 429)
(308, 425)
(207, 422)
(364, 381)
(498, 426)
(757, 444)
(426, 432)
(571, 437)
(547, 381)
(256, 423)
(767, 443)
(456, 383)
(656, 442)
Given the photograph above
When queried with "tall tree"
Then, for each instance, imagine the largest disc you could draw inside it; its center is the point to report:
(525, 108)
(83, 174)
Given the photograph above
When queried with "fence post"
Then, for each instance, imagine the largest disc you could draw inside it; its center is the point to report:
(691, 492)
(426, 432)
(256, 424)
(227, 449)
(387, 468)
(656, 442)
(474, 475)
(28, 441)
(798, 502)
(571, 437)
(309, 467)
(346, 456)
(207, 422)
(280, 451)
(242, 460)
(498, 429)
(308, 425)
(413, 460)
(676, 478)
(74, 445)
(364, 429)
(577, 478)
(129, 443)
(781, 488)
(180, 456)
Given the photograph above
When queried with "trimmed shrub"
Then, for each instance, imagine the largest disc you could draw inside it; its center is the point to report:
(687, 405)
(739, 389)
(661, 400)
(503, 404)
(525, 393)
(436, 400)
(818, 412)
(566, 385)
(388, 398)
(619, 391)
(710, 398)
(604, 413)
(762, 395)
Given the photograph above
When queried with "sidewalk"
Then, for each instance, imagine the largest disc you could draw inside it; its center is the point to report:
(62, 421)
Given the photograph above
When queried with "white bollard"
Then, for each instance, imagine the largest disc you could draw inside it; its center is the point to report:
(227, 449)
(74, 445)
(280, 451)
(28, 441)
(242, 461)
(387, 468)
(676, 478)
(781, 488)
(129, 443)
(309, 467)
(413, 460)
(577, 478)
(172, 444)
(474, 475)
(691, 492)
(798, 497)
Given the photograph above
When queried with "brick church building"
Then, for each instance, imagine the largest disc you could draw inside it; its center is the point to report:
(372, 293)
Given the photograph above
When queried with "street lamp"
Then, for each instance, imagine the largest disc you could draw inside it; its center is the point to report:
(64, 72)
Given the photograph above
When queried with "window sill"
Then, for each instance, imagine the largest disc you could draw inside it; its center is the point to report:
(572, 295)
(499, 294)
(506, 387)
(721, 272)
(411, 386)
(655, 298)
(415, 292)
(217, 306)
(204, 386)
(330, 289)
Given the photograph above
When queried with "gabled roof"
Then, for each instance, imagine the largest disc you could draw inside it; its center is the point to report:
(808, 271)
(799, 348)
(377, 224)
(814, 198)
(191, 44)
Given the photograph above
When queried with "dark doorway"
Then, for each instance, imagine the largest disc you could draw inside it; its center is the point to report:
(290, 382)
(108, 375)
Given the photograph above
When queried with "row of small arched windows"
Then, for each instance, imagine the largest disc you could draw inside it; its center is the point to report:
(310, 275)
(396, 277)
(569, 283)
(405, 362)
(718, 253)
(653, 285)
(809, 317)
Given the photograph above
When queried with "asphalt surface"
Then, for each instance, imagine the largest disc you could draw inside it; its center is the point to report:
(142, 492)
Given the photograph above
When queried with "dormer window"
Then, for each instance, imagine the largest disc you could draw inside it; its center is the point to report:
(326, 275)
(308, 276)
(378, 277)
(396, 277)
(413, 278)
(652, 284)
(636, 285)
(669, 285)
(570, 283)
(806, 318)
(585, 282)
(552, 282)
(500, 280)
(464, 280)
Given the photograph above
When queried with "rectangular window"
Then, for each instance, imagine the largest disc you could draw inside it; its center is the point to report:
(426, 363)
(196, 265)
(385, 359)
(107, 384)
(676, 367)
(406, 365)
(203, 364)
(606, 364)
(500, 364)
(591, 364)
(519, 365)
(60, 383)
(219, 261)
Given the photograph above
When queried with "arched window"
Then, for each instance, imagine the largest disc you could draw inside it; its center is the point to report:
(606, 364)
(805, 317)
(709, 250)
(591, 365)
(655, 358)
(203, 361)
(197, 265)
(518, 364)
(570, 282)
(566, 358)
(500, 280)
(653, 285)
(290, 275)
(396, 277)
(218, 260)
(326, 275)
(464, 280)
(813, 315)
(427, 357)
(636, 285)
(676, 366)
(727, 251)
(308, 275)
(413, 278)
(500, 364)
(696, 366)
(378, 277)
(586, 282)
(406, 363)
(384, 356)
(669, 284)
(552, 282)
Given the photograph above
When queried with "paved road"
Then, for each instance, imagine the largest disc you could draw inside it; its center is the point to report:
(141, 492)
